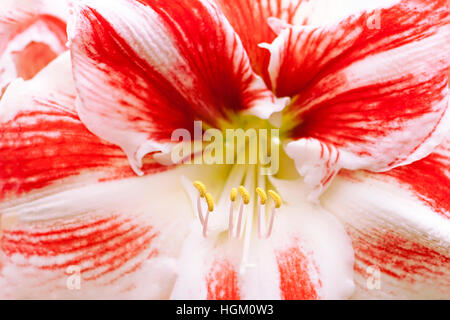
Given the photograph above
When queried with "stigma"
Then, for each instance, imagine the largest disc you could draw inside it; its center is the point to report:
(267, 207)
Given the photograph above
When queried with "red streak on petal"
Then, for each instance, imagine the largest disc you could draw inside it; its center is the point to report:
(429, 179)
(156, 98)
(295, 281)
(330, 123)
(354, 116)
(222, 282)
(98, 245)
(249, 19)
(154, 253)
(399, 257)
(48, 144)
(161, 101)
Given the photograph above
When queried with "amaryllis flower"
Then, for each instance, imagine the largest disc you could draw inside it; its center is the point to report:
(32, 33)
(359, 207)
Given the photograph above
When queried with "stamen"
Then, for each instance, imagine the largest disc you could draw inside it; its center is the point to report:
(276, 198)
(245, 200)
(210, 203)
(277, 204)
(263, 200)
(200, 186)
(272, 218)
(262, 194)
(239, 224)
(199, 210)
(233, 197)
(233, 194)
(260, 217)
(245, 195)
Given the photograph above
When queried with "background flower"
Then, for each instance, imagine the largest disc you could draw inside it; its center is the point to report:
(32, 33)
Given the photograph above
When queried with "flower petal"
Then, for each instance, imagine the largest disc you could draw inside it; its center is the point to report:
(428, 179)
(308, 256)
(44, 145)
(250, 20)
(400, 228)
(144, 69)
(120, 237)
(376, 96)
(32, 33)
(67, 203)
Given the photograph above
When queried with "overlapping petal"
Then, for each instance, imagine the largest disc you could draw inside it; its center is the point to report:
(146, 68)
(249, 18)
(32, 33)
(71, 206)
(43, 142)
(399, 224)
(308, 256)
(365, 96)
(121, 238)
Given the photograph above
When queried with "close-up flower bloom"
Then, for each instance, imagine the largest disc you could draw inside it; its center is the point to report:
(94, 206)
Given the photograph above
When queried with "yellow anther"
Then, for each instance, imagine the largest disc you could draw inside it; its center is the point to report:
(244, 194)
(209, 201)
(233, 194)
(262, 194)
(201, 188)
(276, 198)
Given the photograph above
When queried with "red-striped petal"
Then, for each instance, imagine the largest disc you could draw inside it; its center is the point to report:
(116, 239)
(72, 211)
(103, 248)
(400, 227)
(146, 68)
(428, 179)
(32, 33)
(372, 98)
(249, 18)
(43, 143)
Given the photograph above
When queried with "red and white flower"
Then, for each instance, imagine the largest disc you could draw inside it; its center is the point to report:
(364, 177)
(32, 33)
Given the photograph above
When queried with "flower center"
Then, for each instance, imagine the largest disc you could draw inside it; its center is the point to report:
(244, 140)
(242, 203)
